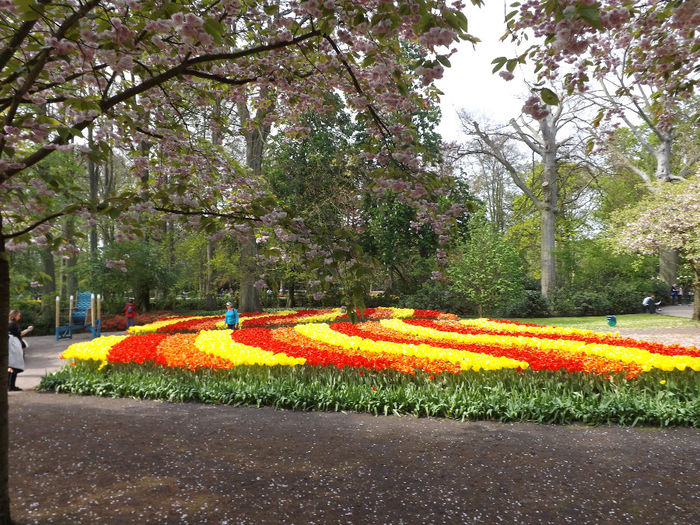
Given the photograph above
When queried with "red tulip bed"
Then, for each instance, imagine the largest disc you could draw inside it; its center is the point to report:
(395, 361)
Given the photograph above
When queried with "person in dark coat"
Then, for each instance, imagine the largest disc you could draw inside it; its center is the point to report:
(16, 351)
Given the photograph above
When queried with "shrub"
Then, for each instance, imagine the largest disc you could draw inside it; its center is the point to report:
(624, 298)
(530, 304)
(486, 269)
(434, 295)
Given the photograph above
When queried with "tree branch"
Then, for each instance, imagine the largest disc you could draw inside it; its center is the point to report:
(526, 139)
(108, 104)
(493, 151)
(18, 38)
(221, 215)
(219, 78)
(375, 116)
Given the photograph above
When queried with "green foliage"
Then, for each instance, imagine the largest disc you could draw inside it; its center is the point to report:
(597, 265)
(597, 281)
(531, 303)
(405, 252)
(486, 270)
(436, 295)
(613, 299)
(545, 397)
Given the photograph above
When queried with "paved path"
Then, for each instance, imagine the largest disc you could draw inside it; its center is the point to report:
(678, 310)
(42, 354)
(42, 357)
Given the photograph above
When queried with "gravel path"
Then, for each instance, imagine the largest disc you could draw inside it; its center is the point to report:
(89, 460)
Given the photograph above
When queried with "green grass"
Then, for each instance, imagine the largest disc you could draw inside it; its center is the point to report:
(625, 321)
(506, 395)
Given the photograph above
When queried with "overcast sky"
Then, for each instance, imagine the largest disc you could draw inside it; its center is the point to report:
(469, 83)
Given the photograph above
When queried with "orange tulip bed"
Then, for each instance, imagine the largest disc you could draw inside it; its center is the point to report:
(420, 362)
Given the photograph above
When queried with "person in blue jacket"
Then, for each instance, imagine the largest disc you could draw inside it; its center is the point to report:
(231, 317)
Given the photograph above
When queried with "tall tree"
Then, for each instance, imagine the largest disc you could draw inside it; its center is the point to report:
(255, 129)
(543, 138)
(660, 137)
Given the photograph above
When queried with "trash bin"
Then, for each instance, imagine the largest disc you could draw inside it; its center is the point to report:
(612, 320)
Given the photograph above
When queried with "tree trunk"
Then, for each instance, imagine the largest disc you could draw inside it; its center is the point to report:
(48, 292)
(209, 293)
(255, 142)
(142, 297)
(547, 243)
(669, 261)
(248, 301)
(290, 295)
(696, 291)
(548, 206)
(4, 420)
(72, 261)
(93, 175)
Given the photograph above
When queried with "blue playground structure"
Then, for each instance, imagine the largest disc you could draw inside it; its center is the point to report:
(85, 313)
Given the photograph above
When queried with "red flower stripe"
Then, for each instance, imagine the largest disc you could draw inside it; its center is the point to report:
(193, 325)
(657, 348)
(136, 348)
(386, 313)
(402, 363)
(538, 359)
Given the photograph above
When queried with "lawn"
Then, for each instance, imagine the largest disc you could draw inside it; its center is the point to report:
(627, 321)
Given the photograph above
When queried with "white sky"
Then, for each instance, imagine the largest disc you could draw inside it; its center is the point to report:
(469, 83)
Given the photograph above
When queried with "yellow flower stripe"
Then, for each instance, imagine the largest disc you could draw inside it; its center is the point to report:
(519, 329)
(320, 318)
(219, 343)
(467, 360)
(96, 349)
(242, 320)
(399, 313)
(154, 326)
(645, 359)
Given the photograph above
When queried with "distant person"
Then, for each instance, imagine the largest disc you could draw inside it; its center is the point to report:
(675, 294)
(685, 294)
(15, 358)
(130, 313)
(231, 317)
(650, 305)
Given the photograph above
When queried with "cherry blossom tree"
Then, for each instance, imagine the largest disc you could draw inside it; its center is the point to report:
(666, 145)
(130, 73)
(668, 218)
(651, 42)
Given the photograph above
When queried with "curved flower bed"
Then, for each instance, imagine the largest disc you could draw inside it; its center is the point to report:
(173, 324)
(392, 341)
(400, 361)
